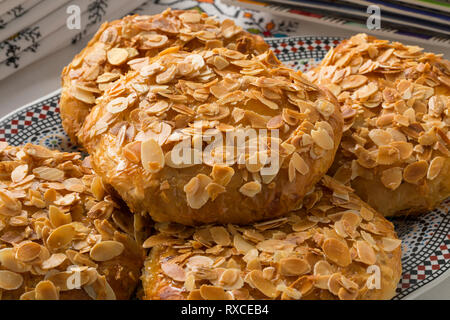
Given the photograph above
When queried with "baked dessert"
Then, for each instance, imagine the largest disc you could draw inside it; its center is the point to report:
(212, 136)
(332, 248)
(123, 44)
(395, 103)
(62, 236)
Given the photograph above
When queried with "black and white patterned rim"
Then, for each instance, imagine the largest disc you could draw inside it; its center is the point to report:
(426, 239)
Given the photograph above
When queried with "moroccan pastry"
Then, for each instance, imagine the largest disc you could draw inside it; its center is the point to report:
(395, 103)
(62, 236)
(335, 247)
(212, 136)
(123, 45)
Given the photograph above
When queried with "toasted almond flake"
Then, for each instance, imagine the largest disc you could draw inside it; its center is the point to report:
(241, 245)
(19, 173)
(46, 290)
(334, 283)
(365, 252)
(345, 294)
(435, 167)
(380, 137)
(198, 262)
(294, 266)
(392, 178)
(10, 280)
(325, 107)
(196, 194)
(97, 188)
(220, 236)
(9, 261)
(167, 75)
(28, 251)
(106, 250)
(353, 81)
(117, 56)
(257, 280)
(299, 164)
(250, 189)
(61, 237)
(9, 206)
(82, 95)
(231, 279)
(415, 171)
(152, 156)
(173, 271)
(337, 251)
(214, 190)
(54, 261)
(390, 244)
(322, 139)
(57, 217)
(117, 105)
(49, 174)
(366, 213)
(214, 293)
(322, 268)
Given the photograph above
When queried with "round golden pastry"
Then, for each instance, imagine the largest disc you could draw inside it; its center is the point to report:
(395, 103)
(120, 45)
(332, 248)
(195, 101)
(62, 236)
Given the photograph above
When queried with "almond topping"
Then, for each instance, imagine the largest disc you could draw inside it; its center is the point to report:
(117, 56)
(337, 251)
(435, 167)
(415, 171)
(152, 156)
(106, 250)
(250, 189)
(322, 139)
(294, 266)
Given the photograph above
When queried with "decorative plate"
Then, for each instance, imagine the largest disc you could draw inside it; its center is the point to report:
(426, 239)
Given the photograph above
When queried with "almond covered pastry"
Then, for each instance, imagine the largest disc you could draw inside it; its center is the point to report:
(62, 236)
(335, 247)
(395, 103)
(189, 104)
(124, 44)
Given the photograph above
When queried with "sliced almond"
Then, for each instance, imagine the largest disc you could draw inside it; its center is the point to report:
(337, 252)
(173, 271)
(415, 171)
(294, 266)
(322, 139)
(46, 290)
(435, 167)
(258, 281)
(10, 280)
(251, 189)
(152, 156)
(366, 254)
(117, 56)
(106, 250)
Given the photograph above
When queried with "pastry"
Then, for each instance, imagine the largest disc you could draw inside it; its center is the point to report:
(123, 44)
(212, 136)
(62, 236)
(335, 247)
(395, 103)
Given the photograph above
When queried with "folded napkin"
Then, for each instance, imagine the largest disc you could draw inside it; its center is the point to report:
(97, 12)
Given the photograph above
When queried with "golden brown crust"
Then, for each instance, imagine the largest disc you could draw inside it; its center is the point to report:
(101, 62)
(395, 102)
(179, 97)
(62, 236)
(322, 251)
